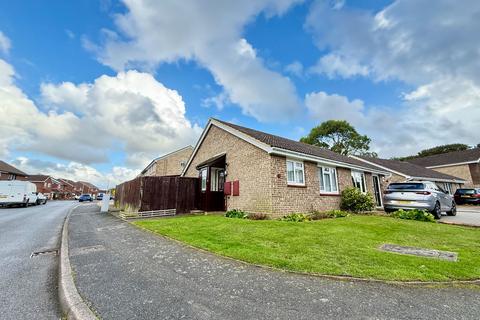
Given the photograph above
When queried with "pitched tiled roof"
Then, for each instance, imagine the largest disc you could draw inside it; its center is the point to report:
(410, 169)
(37, 178)
(470, 155)
(296, 146)
(5, 167)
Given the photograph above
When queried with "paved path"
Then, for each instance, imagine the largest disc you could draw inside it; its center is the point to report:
(28, 286)
(469, 215)
(127, 273)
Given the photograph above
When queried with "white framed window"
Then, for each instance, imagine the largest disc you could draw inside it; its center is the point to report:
(217, 179)
(358, 179)
(447, 187)
(203, 177)
(328, 180)
(295, 173)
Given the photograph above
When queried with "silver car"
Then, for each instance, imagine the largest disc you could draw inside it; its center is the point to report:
(423, 195)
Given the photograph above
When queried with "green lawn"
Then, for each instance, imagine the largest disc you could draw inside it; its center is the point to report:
(342, 246)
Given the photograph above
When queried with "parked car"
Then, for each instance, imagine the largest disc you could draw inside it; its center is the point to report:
(41, 198)
(85, 197)
(18, 192)
(423, 195)
(470, 196)
(99, 196)
(76, 197)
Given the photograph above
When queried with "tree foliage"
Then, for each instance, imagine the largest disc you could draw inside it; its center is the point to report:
(339, 136)
(438, 150)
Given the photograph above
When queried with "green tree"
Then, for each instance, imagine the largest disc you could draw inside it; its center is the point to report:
(339, 136)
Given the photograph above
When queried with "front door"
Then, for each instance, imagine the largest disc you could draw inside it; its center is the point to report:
(377, 191)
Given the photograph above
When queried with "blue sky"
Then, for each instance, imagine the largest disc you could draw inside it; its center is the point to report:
(108, 85)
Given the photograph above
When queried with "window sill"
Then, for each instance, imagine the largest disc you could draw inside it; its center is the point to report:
(330, 194)
(296, 185)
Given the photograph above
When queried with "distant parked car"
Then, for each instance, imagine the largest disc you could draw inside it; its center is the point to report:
(41, 198)
(99, 196)
(467, 196)
(76, 197)
(85, 197)
(423, 195)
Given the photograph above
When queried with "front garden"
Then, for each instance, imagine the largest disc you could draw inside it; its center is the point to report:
(334, 245)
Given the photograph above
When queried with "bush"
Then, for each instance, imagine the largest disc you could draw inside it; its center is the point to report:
(257, 216)
(239, 214)
(355, 201)
(415, 214)
(318, 215)
(295, 217)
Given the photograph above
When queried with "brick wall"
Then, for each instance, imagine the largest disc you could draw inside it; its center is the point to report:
(475, 173)
(171, 165)
(462, 172)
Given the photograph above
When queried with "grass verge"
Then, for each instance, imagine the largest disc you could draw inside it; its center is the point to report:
(345, 246)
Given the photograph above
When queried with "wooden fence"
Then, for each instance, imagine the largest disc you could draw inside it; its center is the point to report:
(158, 193)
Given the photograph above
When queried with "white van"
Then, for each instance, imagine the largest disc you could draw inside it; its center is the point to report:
(18, 192)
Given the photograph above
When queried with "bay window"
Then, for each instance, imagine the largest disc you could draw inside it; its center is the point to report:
(328, 180)
(295, 173)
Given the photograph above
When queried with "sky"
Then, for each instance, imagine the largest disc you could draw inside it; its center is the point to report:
(94, 90)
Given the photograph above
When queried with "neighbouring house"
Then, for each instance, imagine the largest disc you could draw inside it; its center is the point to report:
(170, 164)
(402, 171)
(89, 188)
(463, 164)
(242, 168)
(45, 184)
(9, 172)
(68, 188)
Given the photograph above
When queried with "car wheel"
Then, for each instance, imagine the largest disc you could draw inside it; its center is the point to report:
(453, 211)
(437, 211)
(25, 204)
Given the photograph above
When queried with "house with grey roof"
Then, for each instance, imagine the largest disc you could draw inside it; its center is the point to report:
(9, 172)
(170, 164)
(464, 164)
(403, 171)
(250, 170)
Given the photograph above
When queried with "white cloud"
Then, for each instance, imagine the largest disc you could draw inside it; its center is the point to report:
(209, 32)
(334, 65)
(5, 44)
(295, 68)
(430, 45)
(327, 107)
(76, 171)
(130, 113)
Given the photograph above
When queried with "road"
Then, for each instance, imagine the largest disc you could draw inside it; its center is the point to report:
(467, 215)
(29, 285)
(127, 273)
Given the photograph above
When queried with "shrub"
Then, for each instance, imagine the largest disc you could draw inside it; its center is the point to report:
(318, 215)
(295, 217)
(356, 201)
(415, 214)
(236, 214)
(257, 216)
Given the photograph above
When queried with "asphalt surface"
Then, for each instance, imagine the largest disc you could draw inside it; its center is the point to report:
(28, 286)
(127, 273)
(468, 215)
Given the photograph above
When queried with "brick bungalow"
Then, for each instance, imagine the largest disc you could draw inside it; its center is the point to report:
(9, 172)
(242, 168)
(401, 171)
(464, 164)
(170, 164)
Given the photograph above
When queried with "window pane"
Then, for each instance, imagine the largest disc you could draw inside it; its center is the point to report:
(320, 174)
(364, 186)
(203, 175)
(290, 173)
(328, 183)
(299, 175)
(334, 180)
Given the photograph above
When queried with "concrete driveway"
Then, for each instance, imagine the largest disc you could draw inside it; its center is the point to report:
(466, 215)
